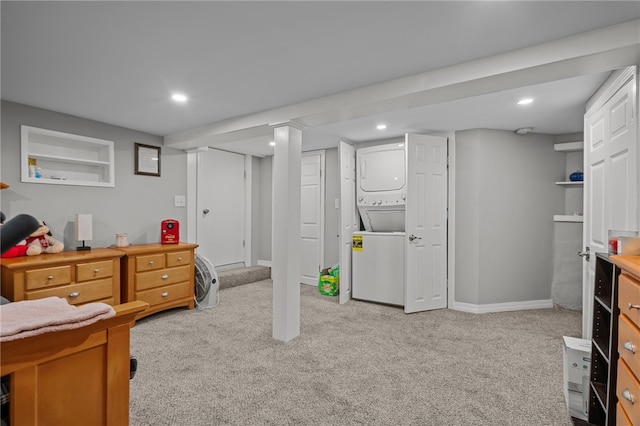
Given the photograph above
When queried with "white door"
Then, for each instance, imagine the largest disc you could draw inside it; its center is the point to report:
(426, 223)
(311, 217)
(349, 216)
(221, 207)
(611, 183)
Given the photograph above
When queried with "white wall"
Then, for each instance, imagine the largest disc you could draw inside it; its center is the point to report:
(136, 205)
(505, 201)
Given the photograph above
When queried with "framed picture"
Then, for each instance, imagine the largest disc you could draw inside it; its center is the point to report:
(147, 160)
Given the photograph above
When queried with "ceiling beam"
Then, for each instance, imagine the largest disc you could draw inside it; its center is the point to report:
(586, 53)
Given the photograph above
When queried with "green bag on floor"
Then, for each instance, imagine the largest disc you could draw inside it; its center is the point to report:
(329, 281)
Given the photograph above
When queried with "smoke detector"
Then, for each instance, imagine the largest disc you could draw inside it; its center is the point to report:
(524, 130)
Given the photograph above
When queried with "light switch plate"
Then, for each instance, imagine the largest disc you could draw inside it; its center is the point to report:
(179, 201)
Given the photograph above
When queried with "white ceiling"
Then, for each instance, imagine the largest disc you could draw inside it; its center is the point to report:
(118, 62)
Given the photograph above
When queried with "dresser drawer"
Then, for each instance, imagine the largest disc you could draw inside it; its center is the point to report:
(178, 258)
(158, 296)
(150, 262)
(76, 293)
(628, 392)
(629, 343)
(629, 298)
(147, 280)
(47, 277)
(621, 416)
(94, 270)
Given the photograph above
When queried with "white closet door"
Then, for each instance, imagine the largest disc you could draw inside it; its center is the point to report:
(221, 207)
(611, 182)
(426, 223)
(349, 217)
(311, 217)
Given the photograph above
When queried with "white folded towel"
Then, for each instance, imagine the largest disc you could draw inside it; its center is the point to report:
(33, 317)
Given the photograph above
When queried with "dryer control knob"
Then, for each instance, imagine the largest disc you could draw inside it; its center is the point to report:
(379, 202)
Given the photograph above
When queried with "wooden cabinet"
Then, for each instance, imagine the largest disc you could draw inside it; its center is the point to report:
(78, 276)
(72, 377)
(604, 353)
(159, 274)
(628, 343)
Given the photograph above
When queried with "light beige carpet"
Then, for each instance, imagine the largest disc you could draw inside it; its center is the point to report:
(354, 364)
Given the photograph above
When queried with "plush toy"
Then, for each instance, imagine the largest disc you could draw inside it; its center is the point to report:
(41, 241)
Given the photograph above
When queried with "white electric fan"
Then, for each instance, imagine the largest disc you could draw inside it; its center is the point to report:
(206, 283)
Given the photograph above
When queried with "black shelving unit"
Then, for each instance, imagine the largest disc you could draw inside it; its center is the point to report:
(604, 340)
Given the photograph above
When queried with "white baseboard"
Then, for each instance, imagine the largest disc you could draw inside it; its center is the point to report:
(502, 307)
(264, 263)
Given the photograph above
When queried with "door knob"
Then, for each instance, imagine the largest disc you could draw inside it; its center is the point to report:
(413, 237)
(586, 254)
(205, 211)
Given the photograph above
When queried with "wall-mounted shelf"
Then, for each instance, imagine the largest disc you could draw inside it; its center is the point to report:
(567, 218)
(569, 146)
(570, 183)
(66, 159)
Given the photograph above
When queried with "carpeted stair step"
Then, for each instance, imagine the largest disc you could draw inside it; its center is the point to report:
(239, 276)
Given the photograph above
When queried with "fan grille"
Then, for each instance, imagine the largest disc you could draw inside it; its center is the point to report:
(205, 279)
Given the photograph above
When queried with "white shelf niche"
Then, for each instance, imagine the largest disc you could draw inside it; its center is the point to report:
(571, 183)
(67, 159)
(569, 146)
(568, 218)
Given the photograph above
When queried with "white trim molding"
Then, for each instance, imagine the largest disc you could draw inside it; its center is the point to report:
(502, 307)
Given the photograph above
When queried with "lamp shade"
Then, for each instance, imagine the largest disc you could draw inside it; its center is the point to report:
(84, 227)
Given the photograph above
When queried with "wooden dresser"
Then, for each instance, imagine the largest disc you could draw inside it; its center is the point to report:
(159, 274)
(79, 276)
(628, 383)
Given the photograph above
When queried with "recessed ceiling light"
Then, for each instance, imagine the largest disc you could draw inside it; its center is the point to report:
(525, 101)
(179, 97)
(381, 126)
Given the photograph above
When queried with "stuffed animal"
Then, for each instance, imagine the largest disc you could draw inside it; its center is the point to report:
(41, 241)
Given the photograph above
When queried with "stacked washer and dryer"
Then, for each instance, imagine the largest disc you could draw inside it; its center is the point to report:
(378, 254)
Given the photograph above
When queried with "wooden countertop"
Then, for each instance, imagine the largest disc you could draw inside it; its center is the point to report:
(64, 256)
(630, 264)
(154, 247)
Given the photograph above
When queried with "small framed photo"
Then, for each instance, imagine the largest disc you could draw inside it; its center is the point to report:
(147, 160)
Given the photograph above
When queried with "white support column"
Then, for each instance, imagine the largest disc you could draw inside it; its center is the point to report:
(285, 266)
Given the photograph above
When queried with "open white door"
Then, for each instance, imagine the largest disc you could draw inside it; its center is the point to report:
(611, 179)
(311, 217)
(349, 217)
(426, 223)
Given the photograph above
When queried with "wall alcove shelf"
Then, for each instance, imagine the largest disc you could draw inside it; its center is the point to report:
(58, 158)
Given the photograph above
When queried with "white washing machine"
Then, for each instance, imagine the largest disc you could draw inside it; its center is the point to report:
(381, 190)
(378, 267)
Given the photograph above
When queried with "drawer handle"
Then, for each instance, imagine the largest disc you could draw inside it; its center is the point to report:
(74, 294)
(628, 345)
(179, 259)
(96, 271)
(151, 262)
(50, 277)
(165, 276)
(626, 394)
(165, 294)
(630, 306)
